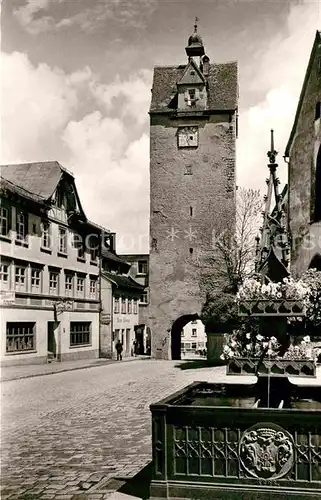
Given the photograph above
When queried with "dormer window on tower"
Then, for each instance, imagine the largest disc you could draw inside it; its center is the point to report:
(191, 97)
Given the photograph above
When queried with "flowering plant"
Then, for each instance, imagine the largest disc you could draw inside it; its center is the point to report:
(288, 289)
(243, 344)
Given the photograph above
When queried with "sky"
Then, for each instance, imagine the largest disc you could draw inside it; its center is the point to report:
(76, 77)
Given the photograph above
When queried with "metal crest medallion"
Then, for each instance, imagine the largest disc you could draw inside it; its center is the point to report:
(266, 451)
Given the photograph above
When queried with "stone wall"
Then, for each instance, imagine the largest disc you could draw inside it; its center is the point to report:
(305, 234)
(187, 210)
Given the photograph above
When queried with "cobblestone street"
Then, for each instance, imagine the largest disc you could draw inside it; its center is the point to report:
(65, 434)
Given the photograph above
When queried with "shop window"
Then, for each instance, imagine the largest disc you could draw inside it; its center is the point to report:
(20, 337)
(80, 333)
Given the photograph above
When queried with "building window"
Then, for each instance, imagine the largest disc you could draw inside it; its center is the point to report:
(69, 281)
(45, 235)
(93, 248)
(5, 215)
(80, 245)
(116, 335)
(116, 305)
(144, 298)
(182, 333)
(53, 282)
(4, 276)
(21, 226)
(317, 110)
(62, 240)
(94, 255)
(80, 287)
(79, 333)
(194, 345)
(142, 267)
(20, 337)
(20, 279)
(93, 288)
(129, 306)
(36, 280)
(189, 170)
(135, 307)
(191, 97)
(123, 305)
(194, 322)
(194, 332)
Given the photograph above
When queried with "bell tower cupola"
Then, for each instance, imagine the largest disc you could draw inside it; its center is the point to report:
(195, 46)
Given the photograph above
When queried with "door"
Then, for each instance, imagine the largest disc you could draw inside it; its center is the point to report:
(52, 339)
(128, 344)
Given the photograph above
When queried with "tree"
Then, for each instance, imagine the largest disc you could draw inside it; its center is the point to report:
(232, 261)
(235, 253)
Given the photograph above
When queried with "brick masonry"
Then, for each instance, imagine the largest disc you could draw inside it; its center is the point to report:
(187, 210)
(305, 233)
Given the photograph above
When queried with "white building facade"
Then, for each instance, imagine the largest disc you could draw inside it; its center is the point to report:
(193, 337)
(49, 267)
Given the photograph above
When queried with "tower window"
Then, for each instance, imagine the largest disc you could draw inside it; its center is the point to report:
(191, 97)
(191, 211)
(317, 110)
(188, 170)
(191, 251)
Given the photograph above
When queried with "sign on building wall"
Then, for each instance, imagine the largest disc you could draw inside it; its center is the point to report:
(7, 298)
(105, 318)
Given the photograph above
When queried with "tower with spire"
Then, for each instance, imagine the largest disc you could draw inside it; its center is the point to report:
(273, 247)
(193, 116)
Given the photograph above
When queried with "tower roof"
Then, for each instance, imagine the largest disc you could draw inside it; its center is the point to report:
(195, 43)
(222, 87)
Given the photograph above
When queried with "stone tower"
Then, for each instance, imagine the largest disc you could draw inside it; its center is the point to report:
(193, 122)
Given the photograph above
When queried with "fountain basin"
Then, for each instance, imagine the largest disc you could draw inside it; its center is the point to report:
(222, 441)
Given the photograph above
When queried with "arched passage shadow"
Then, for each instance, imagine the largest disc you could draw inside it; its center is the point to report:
(177, 328)
(316, 262)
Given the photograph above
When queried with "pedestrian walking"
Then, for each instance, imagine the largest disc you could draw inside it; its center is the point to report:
(134, 348)
(119, 349)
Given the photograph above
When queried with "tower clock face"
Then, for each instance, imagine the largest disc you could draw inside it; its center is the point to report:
(187, 137)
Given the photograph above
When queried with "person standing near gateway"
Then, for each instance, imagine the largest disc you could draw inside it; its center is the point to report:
(119, 349)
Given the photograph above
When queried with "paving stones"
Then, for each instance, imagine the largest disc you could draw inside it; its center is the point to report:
(67, 433)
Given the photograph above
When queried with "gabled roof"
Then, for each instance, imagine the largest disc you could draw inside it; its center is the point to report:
(192, 75)
(40, 179)
(6, 185)
(222, 87)
(311, 63)
(125, 282)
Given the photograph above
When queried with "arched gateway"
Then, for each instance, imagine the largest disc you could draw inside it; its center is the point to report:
(176, 331)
